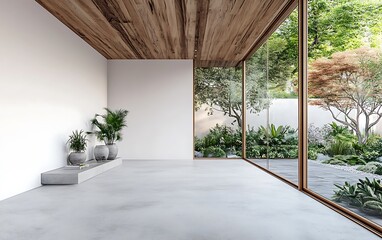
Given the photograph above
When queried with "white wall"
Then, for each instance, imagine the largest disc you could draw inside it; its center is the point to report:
(280, 112)
(158, 94)
(51, 82)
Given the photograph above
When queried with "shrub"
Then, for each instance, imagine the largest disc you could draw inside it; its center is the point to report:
(336, 130)
(370, 167)
(257, 151)
(340, 147)
(341, 141)
(366, 194)
(264, 152)
(273, 136)
(334, 162)
(199, 144)
(312, 154)
(371, 150)
(378, 170)
(272, 142)
(370, 156)
(219, 136)
(374, 144)
(293, 153)
(214, 152)
(222, 137)
(345, 160)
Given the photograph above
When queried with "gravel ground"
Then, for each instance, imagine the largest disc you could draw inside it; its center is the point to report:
(351, 169)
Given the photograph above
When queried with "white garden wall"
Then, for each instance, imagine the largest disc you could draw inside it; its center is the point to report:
(281, 112)
(51, 82)
(158, 94)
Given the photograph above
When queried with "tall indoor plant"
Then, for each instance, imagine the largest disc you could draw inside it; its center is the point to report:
(77, 143)
(110, 127)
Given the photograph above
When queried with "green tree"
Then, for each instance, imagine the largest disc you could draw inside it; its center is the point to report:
(220, 89)
(340, 25)
(333, 26)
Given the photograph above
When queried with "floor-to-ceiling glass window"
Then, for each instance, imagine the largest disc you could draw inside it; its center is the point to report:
(218, 112)
(345, 104)
(272, 102)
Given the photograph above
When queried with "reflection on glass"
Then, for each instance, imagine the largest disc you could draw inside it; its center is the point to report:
(218, 112)
(272, 104)
(345, 83)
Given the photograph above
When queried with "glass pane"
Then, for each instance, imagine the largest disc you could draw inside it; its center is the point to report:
(345, 83)
(272, 103)
(218, 115)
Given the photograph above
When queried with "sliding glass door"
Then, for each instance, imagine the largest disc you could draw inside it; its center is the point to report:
(272, 102)
(345, 103)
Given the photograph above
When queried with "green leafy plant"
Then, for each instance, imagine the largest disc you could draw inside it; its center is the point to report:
(340, 147)
(293, 153)
(370, 156)
(312, 154)
(347, 193)
(77, 141)
(341, 141)
(370, 193)
(378, 170)
(214, 152)
(110, 128)
(281, 151)
(335, 162)
(199, 144)
(345, 160)
(271, 142)
(370, 167)
(272, 135)
(338, 130)
(373, 144)
(366, 194)
(223, 137)
(257, 151)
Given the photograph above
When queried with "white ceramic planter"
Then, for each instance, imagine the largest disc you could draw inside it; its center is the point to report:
(113, 151)
(76, 158)
(101, 152)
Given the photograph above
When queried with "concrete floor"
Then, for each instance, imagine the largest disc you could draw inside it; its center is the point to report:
(227, 199)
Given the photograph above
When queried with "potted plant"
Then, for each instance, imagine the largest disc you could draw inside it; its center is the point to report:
(77, 143)
(109, 130)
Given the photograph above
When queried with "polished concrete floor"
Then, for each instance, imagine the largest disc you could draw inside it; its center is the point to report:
(227, 199)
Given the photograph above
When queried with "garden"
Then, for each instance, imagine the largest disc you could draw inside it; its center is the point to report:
(335, 144)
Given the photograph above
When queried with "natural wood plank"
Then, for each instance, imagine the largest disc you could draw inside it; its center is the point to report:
(213, 32)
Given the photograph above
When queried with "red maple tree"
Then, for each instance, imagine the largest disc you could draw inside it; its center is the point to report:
(349, 85)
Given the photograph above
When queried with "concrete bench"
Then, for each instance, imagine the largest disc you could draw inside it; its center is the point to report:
(76, 174)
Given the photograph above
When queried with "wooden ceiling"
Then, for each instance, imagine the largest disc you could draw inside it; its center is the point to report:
(213, 32)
